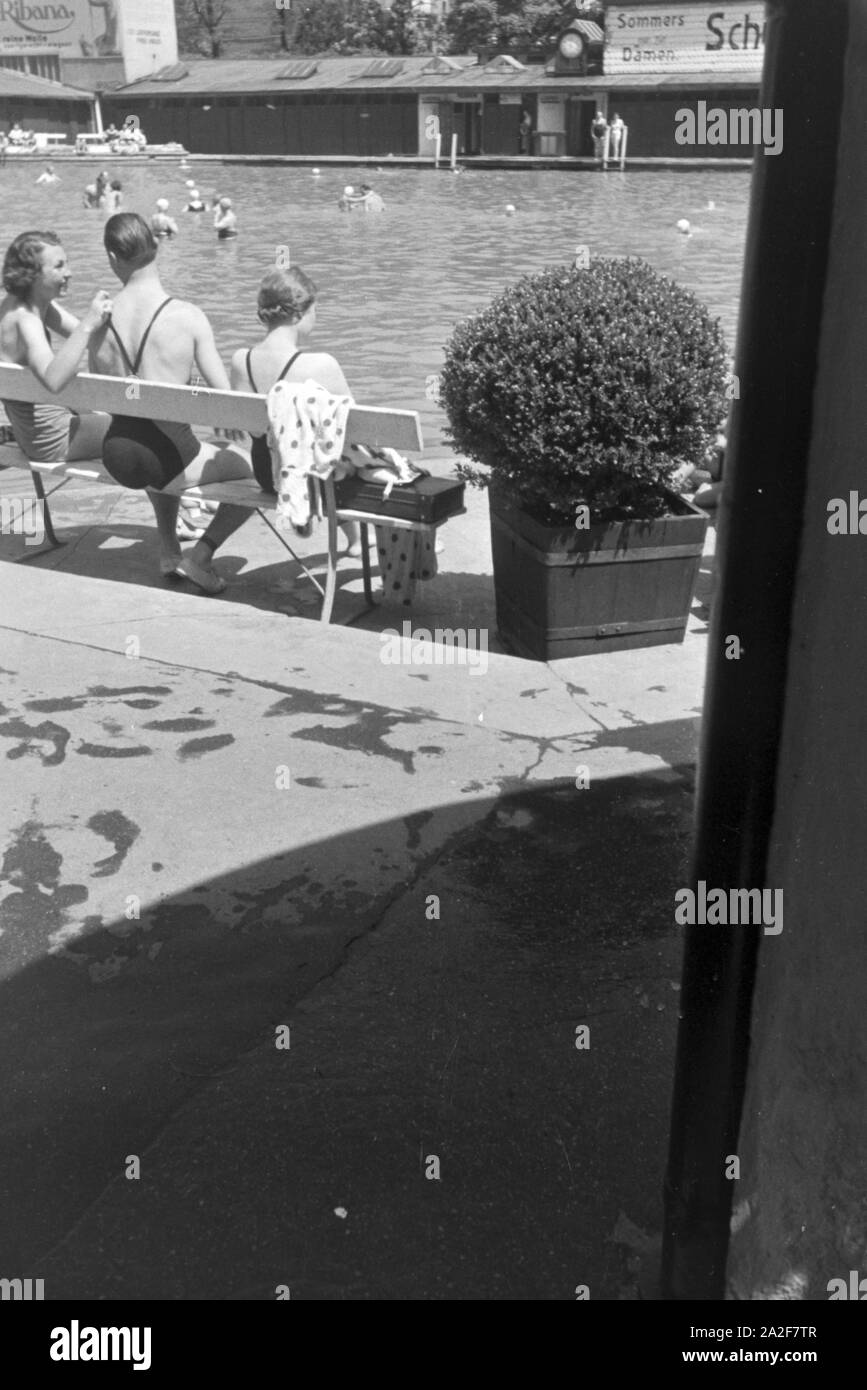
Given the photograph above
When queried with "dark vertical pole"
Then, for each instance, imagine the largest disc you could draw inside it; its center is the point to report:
(766, 471)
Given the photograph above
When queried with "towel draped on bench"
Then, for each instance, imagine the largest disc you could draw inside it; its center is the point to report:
(306, 437)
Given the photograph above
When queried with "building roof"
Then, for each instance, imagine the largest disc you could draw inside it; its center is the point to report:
(24, 84)
(228, 76)
(236, 77)
(706, 79)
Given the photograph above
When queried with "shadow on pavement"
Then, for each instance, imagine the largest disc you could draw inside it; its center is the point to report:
(432, 1131)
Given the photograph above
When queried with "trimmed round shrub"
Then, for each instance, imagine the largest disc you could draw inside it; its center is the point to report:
(586, 386)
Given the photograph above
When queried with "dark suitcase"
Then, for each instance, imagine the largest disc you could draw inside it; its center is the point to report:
(427, 500)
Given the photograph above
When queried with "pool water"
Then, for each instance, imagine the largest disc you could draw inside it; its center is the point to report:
(393, 285)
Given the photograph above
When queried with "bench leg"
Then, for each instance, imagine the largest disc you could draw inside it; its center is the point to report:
(297, 558)
(42, 498)
(42, 503)
(331, 579)
(365, 563)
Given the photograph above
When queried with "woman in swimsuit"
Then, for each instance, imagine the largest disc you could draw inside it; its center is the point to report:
(35, 276)
(287, 310)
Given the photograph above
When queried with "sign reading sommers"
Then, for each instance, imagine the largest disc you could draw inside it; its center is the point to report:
(685, 38)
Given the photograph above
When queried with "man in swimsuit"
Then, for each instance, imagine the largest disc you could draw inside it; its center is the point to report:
(155, 337)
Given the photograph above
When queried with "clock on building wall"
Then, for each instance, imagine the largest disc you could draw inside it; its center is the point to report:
(578, 48)
(571, 45)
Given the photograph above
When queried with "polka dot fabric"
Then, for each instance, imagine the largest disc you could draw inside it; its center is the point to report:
(306, 435)
(405, 557)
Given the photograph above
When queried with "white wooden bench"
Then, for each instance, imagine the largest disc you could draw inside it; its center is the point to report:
(193, 405)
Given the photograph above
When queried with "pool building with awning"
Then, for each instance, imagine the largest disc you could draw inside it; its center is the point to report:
(43, 105)
(369, 107)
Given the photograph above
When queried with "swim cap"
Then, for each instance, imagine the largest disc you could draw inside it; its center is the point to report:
(348, 191)
(194, 193)
(162, 204)
(225, 202)
(188, 182)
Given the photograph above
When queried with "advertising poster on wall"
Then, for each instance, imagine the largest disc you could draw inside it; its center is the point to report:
(71, 28)
(141, 31)
(685, 38)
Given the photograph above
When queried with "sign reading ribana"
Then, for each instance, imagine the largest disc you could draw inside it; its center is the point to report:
(685, 38)
(142, 31)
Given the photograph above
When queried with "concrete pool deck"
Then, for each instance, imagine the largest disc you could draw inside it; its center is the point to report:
(221, 821)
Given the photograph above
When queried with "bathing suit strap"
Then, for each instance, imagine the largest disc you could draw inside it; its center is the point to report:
(134, 366)
(292, 359)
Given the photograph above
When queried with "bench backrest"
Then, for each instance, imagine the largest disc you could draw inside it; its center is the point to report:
(199, 405)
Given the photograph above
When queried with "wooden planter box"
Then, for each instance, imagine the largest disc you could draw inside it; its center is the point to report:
(564, 592)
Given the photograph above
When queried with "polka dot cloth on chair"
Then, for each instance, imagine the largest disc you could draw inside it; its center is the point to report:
(306, 435)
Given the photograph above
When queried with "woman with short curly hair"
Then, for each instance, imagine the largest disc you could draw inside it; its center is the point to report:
(35, 276)
(286, 309)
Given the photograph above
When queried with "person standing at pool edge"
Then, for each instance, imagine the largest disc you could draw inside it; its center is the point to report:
(617, 129)
(155, 336)
(525, 133)
(599, 131)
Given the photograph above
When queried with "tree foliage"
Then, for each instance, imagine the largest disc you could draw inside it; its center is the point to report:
(200, 26)
(338, 26)
(361, 26)
(505, 24)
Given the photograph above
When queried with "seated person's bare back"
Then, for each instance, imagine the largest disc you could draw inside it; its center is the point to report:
(286, 308)
(154, 336)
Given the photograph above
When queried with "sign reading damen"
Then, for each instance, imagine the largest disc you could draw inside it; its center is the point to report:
(685, 38)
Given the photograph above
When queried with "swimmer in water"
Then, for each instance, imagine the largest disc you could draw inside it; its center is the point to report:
(112, 199)
(91, 197)
(348, 200)
(225, 220)
(370, 200)
(161, 224)
(195, 204)
(48, 175)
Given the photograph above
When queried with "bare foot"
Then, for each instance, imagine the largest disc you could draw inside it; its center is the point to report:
(202, 575)
(169, 563)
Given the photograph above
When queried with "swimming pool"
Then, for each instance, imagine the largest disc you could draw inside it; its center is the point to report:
(393, 285)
